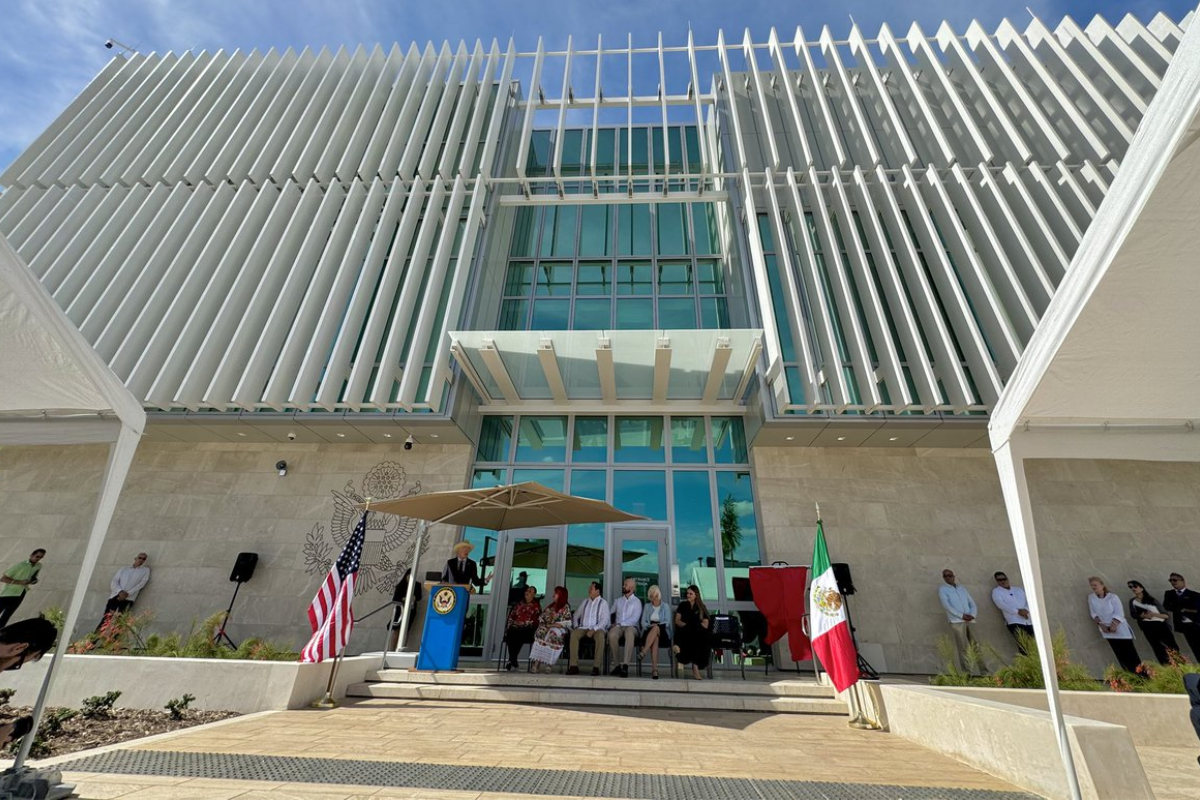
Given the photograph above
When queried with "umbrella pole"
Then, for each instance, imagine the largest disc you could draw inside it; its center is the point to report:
(408, 592)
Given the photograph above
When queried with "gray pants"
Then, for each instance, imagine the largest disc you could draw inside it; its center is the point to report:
(964, 637)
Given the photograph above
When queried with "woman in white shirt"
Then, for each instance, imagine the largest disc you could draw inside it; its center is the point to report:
(656, 627)
(1105, 610)
(1153, 621)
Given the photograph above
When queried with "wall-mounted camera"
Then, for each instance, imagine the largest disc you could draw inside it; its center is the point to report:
(109, 44)
(291, 436)
(409, 442)
(281, 465)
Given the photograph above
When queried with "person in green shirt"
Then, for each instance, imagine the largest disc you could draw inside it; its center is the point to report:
(16, 581)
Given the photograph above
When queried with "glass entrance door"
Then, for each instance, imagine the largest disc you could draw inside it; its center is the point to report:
(640, 552)
(532, 557)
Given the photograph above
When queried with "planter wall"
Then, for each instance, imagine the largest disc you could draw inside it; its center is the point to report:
(218, 685)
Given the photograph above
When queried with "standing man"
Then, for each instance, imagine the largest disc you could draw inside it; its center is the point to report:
(628, 612)
(1184, 605)
(960, 612)
(1012, 604)
(591, 621)
(463, 570)
(126, 585)
(16, 581)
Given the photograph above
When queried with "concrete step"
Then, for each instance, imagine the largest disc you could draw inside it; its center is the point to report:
(725, 683)
(633, 693)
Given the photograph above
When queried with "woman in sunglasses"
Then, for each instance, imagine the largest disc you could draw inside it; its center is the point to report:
(1152, 621)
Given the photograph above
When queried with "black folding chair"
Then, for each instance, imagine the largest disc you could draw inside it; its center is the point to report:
(725, 631)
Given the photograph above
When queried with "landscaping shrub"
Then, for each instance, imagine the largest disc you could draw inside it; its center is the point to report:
(122, 634)
(99, 706)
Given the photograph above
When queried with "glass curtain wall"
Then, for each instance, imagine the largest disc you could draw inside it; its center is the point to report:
(691, 472)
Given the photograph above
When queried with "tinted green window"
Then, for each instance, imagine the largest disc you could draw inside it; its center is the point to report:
(539, 153)
(551, 315)
(593, 279)
(605, 146)
(714, 313)
(675, 277)
(595, 234)
(710, 276)
(704, 222)
(572, 151)
(677, 313)
(672, 230)
(550, 478)
(590, 443)
(636, 278)
(554, 280)
(513, 315)
(639, 440)
(642, 492)
(689, 441)
(542, 439)
(524, 227)
(633, 230)
(635, 315)
(729, 440)
(495, 436)
(694, 549)
(739, 532)
(519, 280)
(592, 314)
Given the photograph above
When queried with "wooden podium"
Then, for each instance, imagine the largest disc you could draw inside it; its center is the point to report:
(445, 615)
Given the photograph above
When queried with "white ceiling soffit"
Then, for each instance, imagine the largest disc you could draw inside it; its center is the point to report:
(702, 369)
(1120, 342)
(47, 369)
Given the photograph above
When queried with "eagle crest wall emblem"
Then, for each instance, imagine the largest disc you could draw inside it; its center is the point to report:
(388, 550)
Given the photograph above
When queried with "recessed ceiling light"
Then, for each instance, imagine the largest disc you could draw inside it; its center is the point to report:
(433, 436)
(241, 434)
(387, 436)
(841, 438)
(789, 438)
(341, 436)
(893, 438)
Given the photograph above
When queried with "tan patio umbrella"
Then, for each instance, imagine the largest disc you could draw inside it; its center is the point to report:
(499, 508)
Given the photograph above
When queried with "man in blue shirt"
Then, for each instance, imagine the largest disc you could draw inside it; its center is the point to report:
(960, 612)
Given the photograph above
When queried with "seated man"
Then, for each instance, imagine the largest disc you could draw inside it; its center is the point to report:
(627, 622)
(591, 621)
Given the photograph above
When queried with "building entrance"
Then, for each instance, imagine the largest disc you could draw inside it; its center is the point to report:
(530, 557)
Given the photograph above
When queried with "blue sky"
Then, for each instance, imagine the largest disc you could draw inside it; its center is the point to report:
(52, 48)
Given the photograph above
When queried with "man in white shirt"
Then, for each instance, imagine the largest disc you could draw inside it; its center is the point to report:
(627, 611)
(124, 589)
(1012, 604)
(591, 621)
(960, 612)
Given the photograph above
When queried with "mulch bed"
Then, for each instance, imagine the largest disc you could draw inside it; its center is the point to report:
(121, 725)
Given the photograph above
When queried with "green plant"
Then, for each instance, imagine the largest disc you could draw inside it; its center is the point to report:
(952, 673)
(178, 705)
(1155, 678)
(122, 634)
(56, 615)
(99, 706)
(52, 725)
(1023, 672)
(6, 695)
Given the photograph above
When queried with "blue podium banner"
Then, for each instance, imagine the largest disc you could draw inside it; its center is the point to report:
(444, 618)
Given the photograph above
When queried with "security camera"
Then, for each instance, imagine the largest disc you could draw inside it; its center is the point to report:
(282, 467)
(409, 442)
(109, 44)
(291, 436)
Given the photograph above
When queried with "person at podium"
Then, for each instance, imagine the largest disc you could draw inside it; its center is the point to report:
(463, 570)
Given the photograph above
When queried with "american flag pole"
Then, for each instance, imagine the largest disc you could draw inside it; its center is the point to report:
(328, 700)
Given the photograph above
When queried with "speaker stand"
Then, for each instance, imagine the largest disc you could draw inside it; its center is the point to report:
(865, 669)
(221, 637)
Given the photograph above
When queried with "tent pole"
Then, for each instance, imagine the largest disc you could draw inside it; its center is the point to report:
(120, 458)
(1011, 468)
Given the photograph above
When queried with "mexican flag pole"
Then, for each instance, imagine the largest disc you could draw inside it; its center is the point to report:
(831, 638)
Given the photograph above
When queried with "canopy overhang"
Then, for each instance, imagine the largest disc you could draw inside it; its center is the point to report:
(1113, 369)
(55, 389)
(692, 370)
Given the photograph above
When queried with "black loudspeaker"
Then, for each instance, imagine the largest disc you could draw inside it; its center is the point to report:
(243, 568)
(841, 574)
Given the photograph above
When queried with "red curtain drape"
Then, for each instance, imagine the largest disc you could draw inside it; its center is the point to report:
(779, 595)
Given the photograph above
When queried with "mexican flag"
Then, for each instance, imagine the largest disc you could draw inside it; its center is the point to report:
(827, 620)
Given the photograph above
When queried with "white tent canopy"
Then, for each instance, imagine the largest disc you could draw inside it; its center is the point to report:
(55, 389)
(1113, 369)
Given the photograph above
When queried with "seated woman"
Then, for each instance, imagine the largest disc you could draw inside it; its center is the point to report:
(693, 643)
(656, 627)
(551, 632)
(521, 626)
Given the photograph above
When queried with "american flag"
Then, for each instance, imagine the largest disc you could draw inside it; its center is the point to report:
(330, 614)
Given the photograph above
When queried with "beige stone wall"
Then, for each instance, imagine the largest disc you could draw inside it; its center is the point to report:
(193, 507)
(899, 516)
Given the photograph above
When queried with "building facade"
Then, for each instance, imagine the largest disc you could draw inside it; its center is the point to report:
(713, 284)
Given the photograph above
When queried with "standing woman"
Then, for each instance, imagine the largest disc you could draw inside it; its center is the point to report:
(693, 644)
(1105, 610)
(1153, 622)
(551, 632)
(656, 622)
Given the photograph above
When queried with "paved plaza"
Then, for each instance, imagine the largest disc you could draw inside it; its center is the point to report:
(421, 749)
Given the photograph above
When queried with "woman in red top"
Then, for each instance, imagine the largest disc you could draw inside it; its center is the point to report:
(522, 622)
